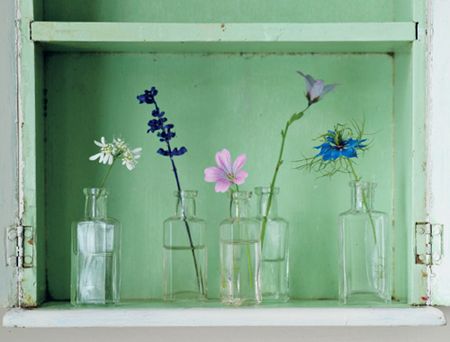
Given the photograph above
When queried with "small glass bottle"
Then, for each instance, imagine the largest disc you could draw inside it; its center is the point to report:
(275, 248)
(240, 254)
(365, 250)
(95, 261)
(185, 254)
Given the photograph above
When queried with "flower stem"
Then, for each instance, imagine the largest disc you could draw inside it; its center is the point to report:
(188, 230)
(364, 199)
(284, 132)
(102, 184)
(231, 198)
(249, 264)
(198, 272)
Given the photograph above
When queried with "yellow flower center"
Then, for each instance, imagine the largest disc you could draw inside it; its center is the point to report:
(231, 177)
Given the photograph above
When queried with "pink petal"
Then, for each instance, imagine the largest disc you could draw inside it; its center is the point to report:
(213, 174)
(240, 177)
(223, 160)
(316, 90)
(239, 163)
(222, 185)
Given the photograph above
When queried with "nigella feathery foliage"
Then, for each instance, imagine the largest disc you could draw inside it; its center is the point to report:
(338, 150)
(165, 133)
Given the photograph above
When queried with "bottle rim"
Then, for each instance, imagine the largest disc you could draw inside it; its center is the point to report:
(95, 192)
(363, 184)
(186, 194)
(241, 195)
(265, 190)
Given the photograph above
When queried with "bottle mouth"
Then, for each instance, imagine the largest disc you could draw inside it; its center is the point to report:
(241, 195)
(363, 184)
(95, 192)
(186, 194)
(265, 190)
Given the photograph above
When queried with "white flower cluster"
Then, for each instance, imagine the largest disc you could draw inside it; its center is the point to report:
(109, 152)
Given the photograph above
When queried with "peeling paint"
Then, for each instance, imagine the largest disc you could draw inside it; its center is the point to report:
(26, 275)
(28, 302)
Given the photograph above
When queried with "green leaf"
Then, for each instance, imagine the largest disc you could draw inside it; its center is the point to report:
(295, 117)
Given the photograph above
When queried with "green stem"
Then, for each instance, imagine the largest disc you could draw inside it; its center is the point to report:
(364, 199)
(102, 184)
(231, 198)
(249, 264)
(292, 119)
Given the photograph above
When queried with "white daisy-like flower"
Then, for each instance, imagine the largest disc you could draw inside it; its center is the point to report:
(120, 145)
(130, 157)
(106, 154)
(118, 149)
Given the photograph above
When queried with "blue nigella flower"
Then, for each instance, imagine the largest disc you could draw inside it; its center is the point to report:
(164, 131)
(336, 146)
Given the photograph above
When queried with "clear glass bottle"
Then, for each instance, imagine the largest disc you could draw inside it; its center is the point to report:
(185, 254)
(365, 250)
(240, 254)
(95, 261)
(275, 248)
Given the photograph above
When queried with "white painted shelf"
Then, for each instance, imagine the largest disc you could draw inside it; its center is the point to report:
(223, 37)
(215, 317)
(225, 32)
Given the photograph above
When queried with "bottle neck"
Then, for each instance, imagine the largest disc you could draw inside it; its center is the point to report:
(263, 194)
(95, 203)
(362, 195)
(240, 204)
(186, 203)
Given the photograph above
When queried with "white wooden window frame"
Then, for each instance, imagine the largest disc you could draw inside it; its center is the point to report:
(438, 133)
(438, 209)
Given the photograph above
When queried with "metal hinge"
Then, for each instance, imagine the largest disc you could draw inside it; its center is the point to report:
(428, 251)
(20, 246)
(429, 243)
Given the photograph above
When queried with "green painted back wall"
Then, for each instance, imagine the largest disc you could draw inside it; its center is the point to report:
(215, 101)
(228, 11)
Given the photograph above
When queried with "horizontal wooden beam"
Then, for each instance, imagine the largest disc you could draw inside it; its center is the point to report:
(54, 32)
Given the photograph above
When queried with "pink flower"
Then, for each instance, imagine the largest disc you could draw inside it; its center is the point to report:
(225, 174)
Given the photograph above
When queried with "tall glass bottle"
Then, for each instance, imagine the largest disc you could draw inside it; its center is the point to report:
(275, 249)
(240, 254)
(185, 255)
(365, 250)
(95, 261)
